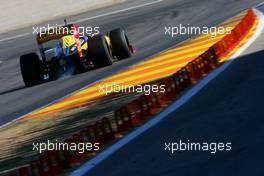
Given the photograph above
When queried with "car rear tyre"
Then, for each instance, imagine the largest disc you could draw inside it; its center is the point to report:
(120, 44)
(31, 69)
(98, 49)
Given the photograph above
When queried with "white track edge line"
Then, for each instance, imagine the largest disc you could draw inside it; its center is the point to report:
(119, 11)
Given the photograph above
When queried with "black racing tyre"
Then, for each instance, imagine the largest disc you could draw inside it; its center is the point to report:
(99, 51)
(120, 44)
(31, 69)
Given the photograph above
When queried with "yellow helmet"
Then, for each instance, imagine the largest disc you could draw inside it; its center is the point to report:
(68, 41)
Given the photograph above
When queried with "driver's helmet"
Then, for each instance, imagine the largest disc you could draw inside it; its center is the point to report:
(68, 42)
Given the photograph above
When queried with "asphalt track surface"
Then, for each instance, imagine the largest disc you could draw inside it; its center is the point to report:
(145, 27)
(228, 109)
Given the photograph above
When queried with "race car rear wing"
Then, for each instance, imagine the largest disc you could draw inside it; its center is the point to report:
(55, 33)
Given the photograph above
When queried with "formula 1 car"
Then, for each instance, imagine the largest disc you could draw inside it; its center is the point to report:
(73, 54)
